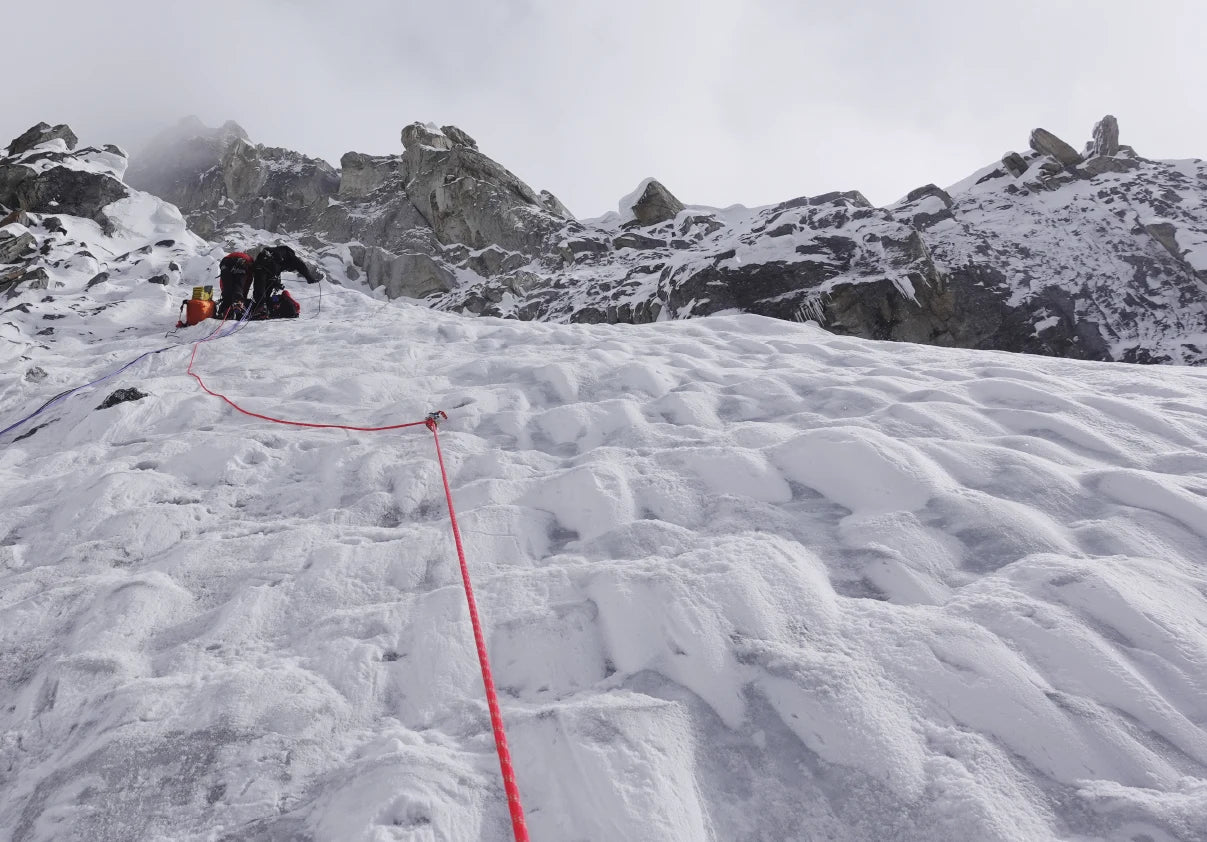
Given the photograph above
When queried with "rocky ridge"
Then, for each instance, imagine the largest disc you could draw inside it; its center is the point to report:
(76, 242)
(1098, 254)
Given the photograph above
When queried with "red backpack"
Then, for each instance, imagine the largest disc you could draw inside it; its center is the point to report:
(235, 275)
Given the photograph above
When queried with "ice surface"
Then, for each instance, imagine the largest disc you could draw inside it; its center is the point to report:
(742, 579)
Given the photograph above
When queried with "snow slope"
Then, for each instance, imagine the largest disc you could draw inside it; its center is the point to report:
(742, 580)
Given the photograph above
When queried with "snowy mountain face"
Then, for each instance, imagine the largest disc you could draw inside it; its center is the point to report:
(80, 249)
(742, 578)
(1093, 255)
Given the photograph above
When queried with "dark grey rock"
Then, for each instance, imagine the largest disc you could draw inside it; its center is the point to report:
(418, 135)
(409, 275)
(634, 240)
(1165, 234)
(59, 190)
(572, 249)
(554, 205)
(19, 279)
(852, 198)
(1100, 165)
(218, 178)
(923, 219)
(1106, 137)
(16, 246)
(458, 137)
(122, 396)
(18, 216)
(656, 204)
(929, 190)
(493, 261)
(1014, 164)
(361, 175)
(467, 198)
(181, 163)
(1046, 143)
(39, 134)
(700, 224)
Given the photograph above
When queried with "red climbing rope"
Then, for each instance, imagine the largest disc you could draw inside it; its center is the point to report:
(518, 825)
(236, 406)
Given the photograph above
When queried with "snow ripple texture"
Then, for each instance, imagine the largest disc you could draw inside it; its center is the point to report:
(742, 580)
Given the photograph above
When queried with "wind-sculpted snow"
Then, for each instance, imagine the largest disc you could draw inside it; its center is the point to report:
(742, 580)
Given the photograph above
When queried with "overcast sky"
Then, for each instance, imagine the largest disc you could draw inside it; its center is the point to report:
(724, 101)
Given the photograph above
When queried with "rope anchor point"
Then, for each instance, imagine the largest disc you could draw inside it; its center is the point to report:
(434, 418)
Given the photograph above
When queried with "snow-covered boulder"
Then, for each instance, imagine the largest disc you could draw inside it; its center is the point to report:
(42, 133)
(1014, 164)
(42, 172)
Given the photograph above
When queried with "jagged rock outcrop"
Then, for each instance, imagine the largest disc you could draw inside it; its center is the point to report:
(554, 205)
(853, 198)
(1105, 142)
(1094, 259)
(930, 190)
(1042, 260)
(361, 175)
(427, 210)
(275, 189)
(15, 243)
(1099, 258)
(18, 216)
(183, 165)
(931, 205)
(467, 198)
(1046, 143)
(52, 254)
(410, 275)
(39, 134)
(651, 203)
(220, 179)
(45, 175)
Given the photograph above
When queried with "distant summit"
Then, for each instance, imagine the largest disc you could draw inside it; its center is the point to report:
(1094, 254)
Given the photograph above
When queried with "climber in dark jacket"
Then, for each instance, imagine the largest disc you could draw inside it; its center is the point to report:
(240, 274)
(267, 269)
